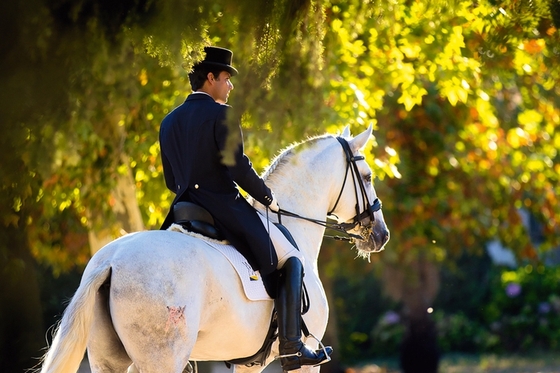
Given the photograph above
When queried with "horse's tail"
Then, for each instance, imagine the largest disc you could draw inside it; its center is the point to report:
(70, 341)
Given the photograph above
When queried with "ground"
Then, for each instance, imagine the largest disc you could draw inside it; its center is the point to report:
(451, 363)
(488, 363)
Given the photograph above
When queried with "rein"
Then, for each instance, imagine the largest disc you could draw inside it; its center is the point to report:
(359, 217)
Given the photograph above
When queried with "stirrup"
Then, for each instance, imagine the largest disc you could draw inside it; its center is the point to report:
(322, 348)
(299, 354)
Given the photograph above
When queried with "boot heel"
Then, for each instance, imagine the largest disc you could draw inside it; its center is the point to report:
(290, 363)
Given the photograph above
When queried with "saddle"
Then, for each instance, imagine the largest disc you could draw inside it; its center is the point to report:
(195, 218)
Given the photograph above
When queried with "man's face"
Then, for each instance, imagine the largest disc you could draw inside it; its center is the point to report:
(221, 86)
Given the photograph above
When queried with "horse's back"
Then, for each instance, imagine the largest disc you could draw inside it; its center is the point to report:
(176, 289)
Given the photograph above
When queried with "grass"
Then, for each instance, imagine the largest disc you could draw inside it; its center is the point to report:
(543, 362)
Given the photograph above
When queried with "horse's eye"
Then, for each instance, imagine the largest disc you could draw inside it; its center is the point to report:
(367, 178)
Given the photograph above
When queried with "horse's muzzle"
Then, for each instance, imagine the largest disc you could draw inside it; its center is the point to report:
(375, 238)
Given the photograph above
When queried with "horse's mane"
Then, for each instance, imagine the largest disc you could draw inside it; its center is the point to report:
(287, 153)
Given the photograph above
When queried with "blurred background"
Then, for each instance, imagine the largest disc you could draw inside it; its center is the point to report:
(465, 101)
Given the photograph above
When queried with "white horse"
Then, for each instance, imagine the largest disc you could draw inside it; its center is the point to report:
(151, 301)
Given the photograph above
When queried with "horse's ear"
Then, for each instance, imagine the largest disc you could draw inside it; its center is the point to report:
(346, 132)
(361, 140)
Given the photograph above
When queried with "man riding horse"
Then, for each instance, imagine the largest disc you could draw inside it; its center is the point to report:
(193, 140)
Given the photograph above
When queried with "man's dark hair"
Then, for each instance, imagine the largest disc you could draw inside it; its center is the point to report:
(199, 74)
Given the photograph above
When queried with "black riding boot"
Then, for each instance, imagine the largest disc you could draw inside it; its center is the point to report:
(293, 352)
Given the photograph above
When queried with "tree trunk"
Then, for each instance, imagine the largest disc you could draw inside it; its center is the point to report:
(126, 210)
(416, 286)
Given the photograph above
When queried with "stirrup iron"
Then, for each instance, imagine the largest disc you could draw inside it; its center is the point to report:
(322, 346)
(299, 354)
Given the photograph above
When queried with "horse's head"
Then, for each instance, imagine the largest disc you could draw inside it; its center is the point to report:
(357, 205)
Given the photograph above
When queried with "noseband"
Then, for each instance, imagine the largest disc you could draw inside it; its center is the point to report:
(358, 219)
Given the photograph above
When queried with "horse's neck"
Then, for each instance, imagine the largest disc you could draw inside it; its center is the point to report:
(303, 187)
(307, 235)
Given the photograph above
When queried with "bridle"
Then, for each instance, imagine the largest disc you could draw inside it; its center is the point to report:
(360, 217)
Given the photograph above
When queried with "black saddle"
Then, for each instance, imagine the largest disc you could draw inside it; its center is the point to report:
(195, 218)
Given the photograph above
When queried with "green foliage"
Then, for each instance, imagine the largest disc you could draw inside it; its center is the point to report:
(360, 305)
(387, 335)
(524, 311)
(477, 311)
(521, 312)
(457, 332)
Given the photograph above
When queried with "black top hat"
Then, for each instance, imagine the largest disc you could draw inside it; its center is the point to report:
(218, 57)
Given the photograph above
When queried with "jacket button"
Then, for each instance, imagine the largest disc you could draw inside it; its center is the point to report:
(195, 186)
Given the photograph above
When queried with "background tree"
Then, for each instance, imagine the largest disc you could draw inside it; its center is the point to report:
(466, 100)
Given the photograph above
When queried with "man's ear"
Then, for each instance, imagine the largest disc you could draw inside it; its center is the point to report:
(210, 77)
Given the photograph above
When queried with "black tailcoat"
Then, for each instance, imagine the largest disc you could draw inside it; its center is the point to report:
(192, 139)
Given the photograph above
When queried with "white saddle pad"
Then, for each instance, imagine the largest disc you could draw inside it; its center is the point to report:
(252, 281)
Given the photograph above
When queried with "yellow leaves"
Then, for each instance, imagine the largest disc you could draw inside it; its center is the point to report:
(510, 276)
(359, 95)
(433, 166)
(411, 51)
(367, 70)
(412, 95)
(517, 137)
(483, 95)
(537, 164)
(523, 62)
(387, 164)
(429, 39)
(457, 37)
(478, 25)
(143, 77)
(517, 158)
(337, 25)
(386, 168)
(141, 176)
(154, 149)
(557, 141)
(529, 118)
(455, 43)
(527, 133)
(454, 90)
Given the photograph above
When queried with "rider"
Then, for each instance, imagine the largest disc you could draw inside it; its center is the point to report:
(193, 139)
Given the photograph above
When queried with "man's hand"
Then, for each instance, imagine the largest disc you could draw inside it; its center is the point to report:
(274, 204)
